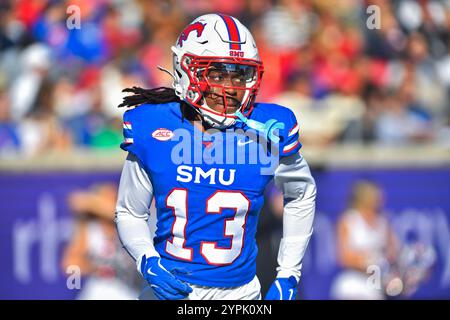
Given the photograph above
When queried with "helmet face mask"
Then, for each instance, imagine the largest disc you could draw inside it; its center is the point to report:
(211, 77)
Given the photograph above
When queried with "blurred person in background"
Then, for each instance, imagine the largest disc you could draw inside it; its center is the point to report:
(399, 123)
(50, 27)
(373, 98)
(364, 239)
(93, 128)
(9, 132)
(96, 249)
(287, 25)
(41, 130)
(420, 73)
(33, 67)
(388, 42)
(319, 127)
(443, 134)
(376, 264)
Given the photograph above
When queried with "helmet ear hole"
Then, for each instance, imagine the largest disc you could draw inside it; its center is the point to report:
(191, 95)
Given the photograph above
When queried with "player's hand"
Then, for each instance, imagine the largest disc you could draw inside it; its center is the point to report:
(282, 289)
(164, 284)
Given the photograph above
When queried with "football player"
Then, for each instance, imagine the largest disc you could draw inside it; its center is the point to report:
(207, 211)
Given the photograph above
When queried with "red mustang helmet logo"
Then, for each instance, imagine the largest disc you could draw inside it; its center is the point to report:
(198, 26)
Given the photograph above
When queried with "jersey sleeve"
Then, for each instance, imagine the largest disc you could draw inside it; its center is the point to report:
(132, 210)
(290, 143)
(128, 137)
(131, 141)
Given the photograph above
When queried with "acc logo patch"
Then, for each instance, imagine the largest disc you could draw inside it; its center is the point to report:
(162, 134)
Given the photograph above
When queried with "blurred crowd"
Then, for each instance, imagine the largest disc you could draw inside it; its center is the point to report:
(347, 82)
(95, 250)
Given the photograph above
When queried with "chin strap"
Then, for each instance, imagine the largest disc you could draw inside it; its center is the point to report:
(267, 129)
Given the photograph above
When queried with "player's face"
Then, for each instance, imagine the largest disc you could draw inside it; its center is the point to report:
(227, 82)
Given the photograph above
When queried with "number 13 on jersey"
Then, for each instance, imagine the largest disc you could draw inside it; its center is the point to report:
(234, 227)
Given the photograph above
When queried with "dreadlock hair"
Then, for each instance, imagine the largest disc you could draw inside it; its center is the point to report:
(157, 96)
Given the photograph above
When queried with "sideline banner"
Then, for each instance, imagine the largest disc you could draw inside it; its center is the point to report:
(35, 224)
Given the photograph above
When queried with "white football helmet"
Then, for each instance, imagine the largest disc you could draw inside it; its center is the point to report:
(221, 44)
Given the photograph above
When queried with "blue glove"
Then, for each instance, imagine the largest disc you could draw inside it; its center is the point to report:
(164, 284)
(282, 289)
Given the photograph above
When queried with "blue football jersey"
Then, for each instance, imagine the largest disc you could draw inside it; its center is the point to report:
(208, 193)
